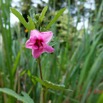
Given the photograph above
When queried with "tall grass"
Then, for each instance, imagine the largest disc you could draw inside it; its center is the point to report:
(76, 63)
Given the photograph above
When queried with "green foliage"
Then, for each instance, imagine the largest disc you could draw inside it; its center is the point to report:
(16, 62)
(42, 15)
(20, 17)
(49, 85)
(72, 74)
(24, 98)
(100, 100)
(59, 13)
(30, 25)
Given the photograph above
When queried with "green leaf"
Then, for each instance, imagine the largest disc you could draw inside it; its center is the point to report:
(25, 98)
(87, 62)
(41, 17)
(16, 62)
(91, 75)
(100, 100)
(20, 17)
(50, 85)
(54, 86)
(23, 72)
(31, 25)
(38, 80)
(59, 13)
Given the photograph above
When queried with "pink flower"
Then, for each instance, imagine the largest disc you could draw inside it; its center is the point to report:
(38, 42)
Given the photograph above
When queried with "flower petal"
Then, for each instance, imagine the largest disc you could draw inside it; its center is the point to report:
(29, 44)
(37, 52)
(34, 33)
(38, 42)
(48, 49)
(47, 36)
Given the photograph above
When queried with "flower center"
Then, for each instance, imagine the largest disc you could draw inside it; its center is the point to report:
(39, 43)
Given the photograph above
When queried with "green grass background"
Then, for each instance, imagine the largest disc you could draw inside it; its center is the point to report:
(76, 63)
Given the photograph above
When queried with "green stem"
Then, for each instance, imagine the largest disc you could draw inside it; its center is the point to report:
(42, 95)
(39, 64)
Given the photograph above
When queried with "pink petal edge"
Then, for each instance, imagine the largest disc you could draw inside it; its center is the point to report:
(34, 33)
(36, 53)
(29, 44)
(47, 36)
(48, 49)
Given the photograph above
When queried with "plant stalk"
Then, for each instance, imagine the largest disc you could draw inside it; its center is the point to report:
(42, 95)
(39, 64)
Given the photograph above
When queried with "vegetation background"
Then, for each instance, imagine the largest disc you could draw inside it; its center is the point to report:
(76, 63)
